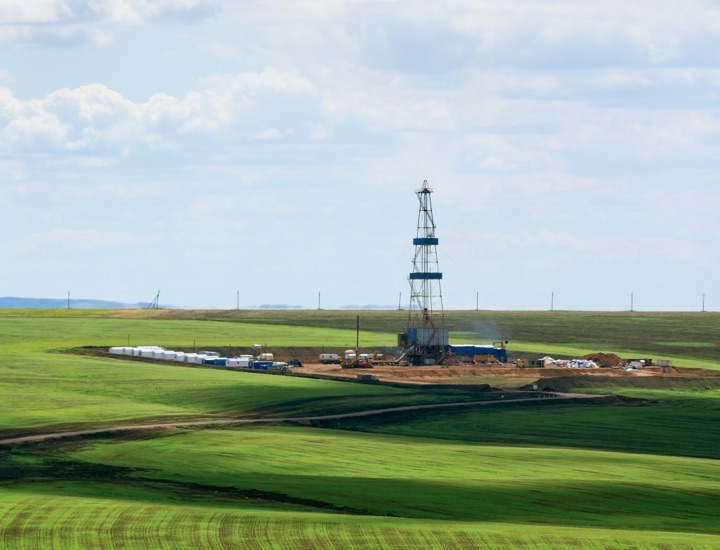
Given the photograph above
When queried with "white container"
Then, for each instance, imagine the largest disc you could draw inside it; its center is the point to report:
(117, 351)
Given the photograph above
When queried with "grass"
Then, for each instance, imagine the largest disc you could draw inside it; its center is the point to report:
(640, 475)
(681, 337)
(447, 480)
(61, 390)
(66, 391)
(292, 483)
(669, 424)
(104, 516)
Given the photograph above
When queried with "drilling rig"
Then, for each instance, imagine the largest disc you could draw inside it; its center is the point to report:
(425, 339)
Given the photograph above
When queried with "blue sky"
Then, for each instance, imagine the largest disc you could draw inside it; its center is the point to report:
(203, 147)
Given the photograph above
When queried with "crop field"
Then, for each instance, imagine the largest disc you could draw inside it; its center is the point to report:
(638, 470)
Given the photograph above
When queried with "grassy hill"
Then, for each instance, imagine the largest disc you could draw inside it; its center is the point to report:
(637, 472)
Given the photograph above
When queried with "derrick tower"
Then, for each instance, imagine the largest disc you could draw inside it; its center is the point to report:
(426, 338)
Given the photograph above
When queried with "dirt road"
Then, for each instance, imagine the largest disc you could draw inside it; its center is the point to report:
(301, 420)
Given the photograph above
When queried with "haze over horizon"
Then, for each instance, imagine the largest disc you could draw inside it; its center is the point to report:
(206, 147)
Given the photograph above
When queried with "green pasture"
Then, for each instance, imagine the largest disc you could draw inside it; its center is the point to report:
(640, 471)
(659, 422)
(43, 387)
(295, 486)
(60, 332)
(383, 475)
(90, 516)
(688, 338)
(73, 392)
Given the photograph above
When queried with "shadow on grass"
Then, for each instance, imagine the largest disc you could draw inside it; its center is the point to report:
(307, 400)
(577, 503)
(675, 427)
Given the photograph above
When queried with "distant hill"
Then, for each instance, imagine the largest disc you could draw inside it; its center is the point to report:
(12, 302)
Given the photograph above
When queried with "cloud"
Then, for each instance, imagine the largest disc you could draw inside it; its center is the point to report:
(74, 23)
(96, 119)
(419, 37)
(18, 12)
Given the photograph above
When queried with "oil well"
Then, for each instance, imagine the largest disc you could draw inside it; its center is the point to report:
(425, 339)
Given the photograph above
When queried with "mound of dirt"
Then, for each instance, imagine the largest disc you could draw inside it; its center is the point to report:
(604, 359)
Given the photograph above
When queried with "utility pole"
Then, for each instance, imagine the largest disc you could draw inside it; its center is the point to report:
(237, 303)
(703, 303)
(552, 301)
(632, 301)
(477, 301)
(318, 300)
(400, 302)
(68, 299)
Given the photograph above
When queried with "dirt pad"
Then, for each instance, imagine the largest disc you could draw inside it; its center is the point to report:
(496, 375)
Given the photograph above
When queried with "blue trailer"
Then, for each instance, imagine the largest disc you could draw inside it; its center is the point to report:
(215, 361)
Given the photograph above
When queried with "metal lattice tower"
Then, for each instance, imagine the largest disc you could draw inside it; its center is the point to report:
(426, 337)
(426, 307)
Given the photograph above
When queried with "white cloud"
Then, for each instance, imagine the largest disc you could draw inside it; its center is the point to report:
(75, 23)
(553, 132)
(116, 12)
(94, 118)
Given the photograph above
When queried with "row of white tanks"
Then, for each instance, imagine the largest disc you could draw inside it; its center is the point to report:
(262, 361)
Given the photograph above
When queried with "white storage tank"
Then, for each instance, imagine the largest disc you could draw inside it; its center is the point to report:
(117, 351)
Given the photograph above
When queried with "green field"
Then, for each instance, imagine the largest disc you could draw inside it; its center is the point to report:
(639, 471)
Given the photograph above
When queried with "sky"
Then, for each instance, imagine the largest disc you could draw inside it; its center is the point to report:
(260, 153)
